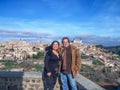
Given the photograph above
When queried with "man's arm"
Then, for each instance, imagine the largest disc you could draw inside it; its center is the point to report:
(78, 60)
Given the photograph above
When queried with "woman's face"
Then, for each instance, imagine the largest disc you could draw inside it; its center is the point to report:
(55, 46)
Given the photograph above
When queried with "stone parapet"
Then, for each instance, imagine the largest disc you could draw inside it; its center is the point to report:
(33, 81)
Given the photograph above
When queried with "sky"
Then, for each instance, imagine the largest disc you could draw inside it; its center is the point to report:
(93, 21)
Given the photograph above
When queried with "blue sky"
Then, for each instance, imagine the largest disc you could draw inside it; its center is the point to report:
(93, 21)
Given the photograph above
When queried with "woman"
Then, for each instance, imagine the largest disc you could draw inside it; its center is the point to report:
(51, 66)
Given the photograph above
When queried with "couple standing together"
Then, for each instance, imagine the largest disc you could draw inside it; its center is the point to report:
(63, 61)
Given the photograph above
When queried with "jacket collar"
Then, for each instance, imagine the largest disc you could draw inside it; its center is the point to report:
(72, 47)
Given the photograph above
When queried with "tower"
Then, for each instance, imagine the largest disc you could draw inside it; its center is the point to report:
(40, 40)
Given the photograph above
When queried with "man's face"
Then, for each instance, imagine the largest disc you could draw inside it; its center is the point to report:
(66, 43)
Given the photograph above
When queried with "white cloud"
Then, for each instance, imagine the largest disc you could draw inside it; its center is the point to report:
(93, 39)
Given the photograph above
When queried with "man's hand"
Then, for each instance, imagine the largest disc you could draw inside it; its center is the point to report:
(75, 73)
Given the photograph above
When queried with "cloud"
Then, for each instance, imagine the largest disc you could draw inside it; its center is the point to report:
(93, 39)
(100, 25)
(7, 35)
(12, 34)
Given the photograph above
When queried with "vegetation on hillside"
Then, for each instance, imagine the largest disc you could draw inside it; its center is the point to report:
(102, 75)
(84, 56)
(9, 64)
(97, 62)
(40, 55)
(113, 49)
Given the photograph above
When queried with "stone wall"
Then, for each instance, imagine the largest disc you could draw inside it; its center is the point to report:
(87, 84)
(21, 81)
(33, 81)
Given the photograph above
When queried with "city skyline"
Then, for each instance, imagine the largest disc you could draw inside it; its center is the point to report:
(93, 21)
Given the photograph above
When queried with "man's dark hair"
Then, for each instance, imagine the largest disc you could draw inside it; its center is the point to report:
(65, 38)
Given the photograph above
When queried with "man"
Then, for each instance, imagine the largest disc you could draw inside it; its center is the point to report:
(70, 65)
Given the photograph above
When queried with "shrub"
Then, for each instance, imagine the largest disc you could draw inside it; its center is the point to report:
(97, 62)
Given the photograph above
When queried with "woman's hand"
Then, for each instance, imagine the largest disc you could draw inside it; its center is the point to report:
(49, 74)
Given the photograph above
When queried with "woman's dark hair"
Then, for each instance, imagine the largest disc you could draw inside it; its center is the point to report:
(51, 46)
(65, 38)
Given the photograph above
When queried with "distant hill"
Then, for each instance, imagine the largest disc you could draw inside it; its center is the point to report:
(114, 49)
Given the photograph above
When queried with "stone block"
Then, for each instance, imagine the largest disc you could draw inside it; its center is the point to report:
(39, 81)
(33, 81)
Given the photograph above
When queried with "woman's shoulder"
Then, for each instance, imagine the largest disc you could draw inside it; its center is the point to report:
(49, 52)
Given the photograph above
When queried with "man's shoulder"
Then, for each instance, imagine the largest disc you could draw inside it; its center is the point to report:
(73, 47)
(61, 46)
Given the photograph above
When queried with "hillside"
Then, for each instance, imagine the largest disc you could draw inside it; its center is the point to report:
(114, 49)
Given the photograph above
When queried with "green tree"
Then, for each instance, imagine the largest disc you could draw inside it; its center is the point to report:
(40, 55)
(97, 62)
(34, 56)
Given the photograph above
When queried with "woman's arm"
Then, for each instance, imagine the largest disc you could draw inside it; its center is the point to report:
(46, 62)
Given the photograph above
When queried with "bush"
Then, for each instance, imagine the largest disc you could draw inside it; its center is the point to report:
(84, 57)
(40, 55)
(116, 57)
(38, 67)
(97, 62)
(34, 56)
(8, 64)
(86, 70)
